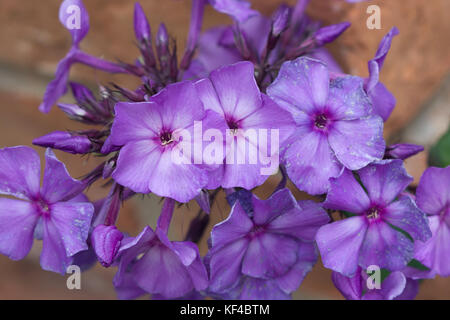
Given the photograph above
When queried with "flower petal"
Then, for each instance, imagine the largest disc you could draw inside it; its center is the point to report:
(385, 247)
(181, 182)
(383, 101)
(346, 194)
(178, 105)
(135, 121)
(258, 289)
(236, 226)
(130, 248)
(58, 86)
(347, 99)
(58, 184)
(359, 142)
(247, 176)
(405, 215)
(271, 117)
(300, 223)
(306, 258)
(433, 190)
(301, 86)
(20, 172)
(196, 268)
(434, 252)
(18, 220)
(128, 173)
(269, 256)
(384, 47)
(393, 285)
(73, 221)
(236, 90)
(168, 276)
(225, 265)
(349, 287)
(211, 54)
(411, 290)
(384, 180)
(310, 162)
(53, 256)
(340, 242)
(238, 9)
(128, 288)
(279, 203)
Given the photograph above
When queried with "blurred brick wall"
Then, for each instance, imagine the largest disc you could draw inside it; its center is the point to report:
(33, 41)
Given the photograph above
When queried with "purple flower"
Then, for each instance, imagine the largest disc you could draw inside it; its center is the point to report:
(149, 133)
(198, 8)
(106, 241)
(74, 17)
(62, 224)
(232, 92)
(104, 238)
(83, 97)
(238, 9)
(334, 125)
(329, 33)
(280, 20)
(65, 141)
(402, 151)
(279, 288)
(394, 287)
(372, 236)
(433, 197)
(383, 101)
(169, 269)
(270, 248)
(141, 25)
(217, 48)
(259, 36)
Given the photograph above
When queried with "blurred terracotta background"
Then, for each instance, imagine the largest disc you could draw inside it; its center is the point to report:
(32, 42)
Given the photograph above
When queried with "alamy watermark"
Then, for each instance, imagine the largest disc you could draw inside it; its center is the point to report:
(73, 21)
(74, 280)
(374, 20)
(374, 277)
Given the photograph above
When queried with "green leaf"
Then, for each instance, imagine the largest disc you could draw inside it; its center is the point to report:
(440, 152)
(348, 214)
(417, 265)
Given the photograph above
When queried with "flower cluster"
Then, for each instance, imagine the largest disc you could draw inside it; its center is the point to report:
(245, 101)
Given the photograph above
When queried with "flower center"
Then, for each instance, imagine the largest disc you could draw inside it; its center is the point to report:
(166, 138)
(445, 213)
(373, 213)
(321, 121)
(232, 124)
(43, 207)
(257, 230)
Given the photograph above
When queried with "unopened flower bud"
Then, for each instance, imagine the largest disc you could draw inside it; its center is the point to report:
(330, 33)
(402, 151)
(141, 25)
(65, 141)
(106, 242)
